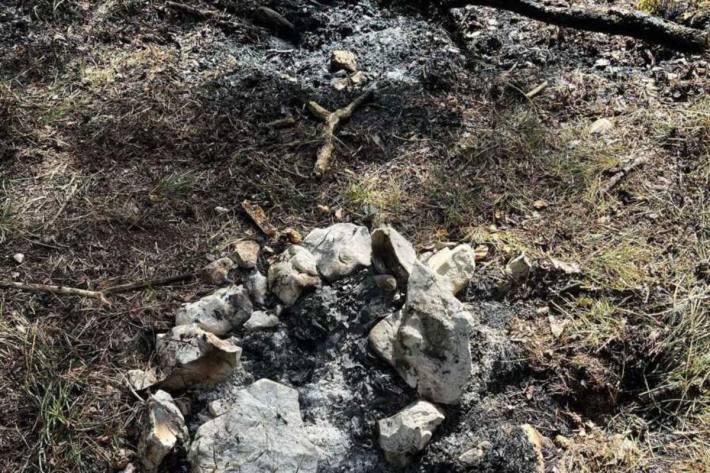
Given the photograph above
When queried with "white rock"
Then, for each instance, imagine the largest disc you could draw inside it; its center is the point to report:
(294, 271)
(408, 431)
(18, 257)
(601, 126)
(257, 286)
(220, 312)
(339, 249)
(455, 267)
(430, 348)
(189, 356)
(394, 252)
(165, 428)
(142, 379)
(246, 253)
(261, 320)
(260, 430)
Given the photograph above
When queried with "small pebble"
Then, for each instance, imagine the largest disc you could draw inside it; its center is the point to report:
(19, 258)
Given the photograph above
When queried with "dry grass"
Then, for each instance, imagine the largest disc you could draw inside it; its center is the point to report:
(114, 160)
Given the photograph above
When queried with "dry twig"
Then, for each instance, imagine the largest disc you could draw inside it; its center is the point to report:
(332, 120)
(99, 295)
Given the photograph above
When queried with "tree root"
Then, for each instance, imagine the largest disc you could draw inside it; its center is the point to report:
(332, 120)
(98, 295)
(608, 20)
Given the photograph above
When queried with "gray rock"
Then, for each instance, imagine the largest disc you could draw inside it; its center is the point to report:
(260, 430)
(165, 428)
(386, 282)
(474, 455)
(339, 249)
(261, 320)
(294, 271)
(429, 343)
(518, 268)
(394, 253)
(246, 253)
(257, 287)
(226, 309)
(142, 379)
(408, 431)
(189, 356)
(383, 335)
(454, 267)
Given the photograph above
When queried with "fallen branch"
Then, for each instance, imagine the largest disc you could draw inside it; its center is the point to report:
(332, 120)
(99, 295)
(621, 173)
(534, 92)
(608, 20)
(60, 290)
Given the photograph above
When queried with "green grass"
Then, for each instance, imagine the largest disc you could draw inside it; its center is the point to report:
(598, 323)
(175, 185)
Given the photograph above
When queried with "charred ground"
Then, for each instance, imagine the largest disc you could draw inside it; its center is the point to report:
(123, 124)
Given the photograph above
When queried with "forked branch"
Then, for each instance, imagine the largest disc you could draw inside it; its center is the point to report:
(331, 121)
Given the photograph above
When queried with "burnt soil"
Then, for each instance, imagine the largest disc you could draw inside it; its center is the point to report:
(130, 132)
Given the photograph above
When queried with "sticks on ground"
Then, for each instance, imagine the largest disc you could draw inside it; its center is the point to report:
(99, 295)
(332, 120)
(608, 20)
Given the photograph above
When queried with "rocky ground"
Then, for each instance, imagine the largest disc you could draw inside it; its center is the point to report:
(131, 131)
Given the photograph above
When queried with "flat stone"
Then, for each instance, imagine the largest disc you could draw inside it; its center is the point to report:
(340, 249)
(261, 320)
(246, 253)
(408, 431)
(260, 430)
(394, 253)
(164, 429)
(142, 379)
(220, 312)
(189, 356)
(518, 268)
(293, 272)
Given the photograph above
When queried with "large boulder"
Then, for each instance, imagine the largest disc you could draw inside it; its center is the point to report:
(189, 356)
(340, 249)
(428, 344)
(408, 431)
(165, 427)
(454, 267)
(394, 253)
(293, 272)
(260, 430)
(226, 309)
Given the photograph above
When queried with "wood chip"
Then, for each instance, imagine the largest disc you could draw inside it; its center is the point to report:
(258, 216)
